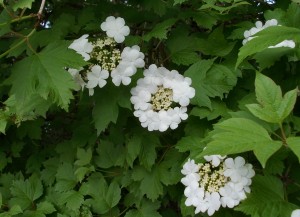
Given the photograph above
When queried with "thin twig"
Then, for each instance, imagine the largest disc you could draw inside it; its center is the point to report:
(41, 8)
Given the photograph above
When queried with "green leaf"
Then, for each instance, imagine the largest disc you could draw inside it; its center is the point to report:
(294, 144)
(84, 156)
(109, 154)
(160, 30)
(272, 107)
(45, 207)
(237, 135)
(179, 1)
(22, 4)
(146, 209)
(218, 109)
(148, 153)
(266, 199)
(72, 199)
(185, 57)
(113, 195)
(167, 173)
(65, 177)
(26, 192)
(3, 123)
(14, 210)
(210, 80)
(133, 148)
(45, 75)
(267, 37)
(106, 108)
(215, 44)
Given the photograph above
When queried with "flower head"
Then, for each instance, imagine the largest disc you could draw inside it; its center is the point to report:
(115, 28)
(161, 97)
(82, 46)
(212, 184)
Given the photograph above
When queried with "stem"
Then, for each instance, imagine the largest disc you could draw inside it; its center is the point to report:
(18, 44)
(283, 135)
(19, 19)
(41, 8)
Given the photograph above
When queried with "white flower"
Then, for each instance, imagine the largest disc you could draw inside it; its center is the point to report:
(96, 77)
(77, 78)
(214, 159)
(248, 34)
(208, 187)
(131, 59)
(211, 203)
(235, 169)
(190, 167)
(160, 98)
(296, 213)
(115, 28)
(82, 46)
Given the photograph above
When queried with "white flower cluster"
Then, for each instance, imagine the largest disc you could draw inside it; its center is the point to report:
(296, 213)
(161, 98)
(248, 34)
(106, 57)
(219, 182)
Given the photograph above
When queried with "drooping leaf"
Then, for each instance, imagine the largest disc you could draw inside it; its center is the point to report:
(272, 106)
(237, 135)
(44, 74)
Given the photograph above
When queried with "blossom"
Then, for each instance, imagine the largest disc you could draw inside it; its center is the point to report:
(296, 213)
(215, 159)
(96, 77)
(248, 34)
(115, 28)
(82, 46)
(160, 98)
(131, 59)
(210, 185)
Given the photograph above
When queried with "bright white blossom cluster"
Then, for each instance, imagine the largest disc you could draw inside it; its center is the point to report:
(115, 28)
(106, 58)
(296, 213)
(161, 98)
(248, 34)
(219, 182)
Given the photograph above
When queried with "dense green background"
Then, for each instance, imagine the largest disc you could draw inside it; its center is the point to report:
(63, 153)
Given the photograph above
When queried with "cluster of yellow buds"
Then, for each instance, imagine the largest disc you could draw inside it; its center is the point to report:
(162, 99)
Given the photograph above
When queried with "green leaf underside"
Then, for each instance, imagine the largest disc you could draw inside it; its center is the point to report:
(237, 135)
